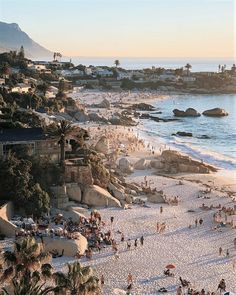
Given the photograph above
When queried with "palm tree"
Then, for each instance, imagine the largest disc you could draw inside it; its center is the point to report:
(29, 284)
(117, 62)
(78, 280)
(23, 268)
(63, 128)
(188, 67)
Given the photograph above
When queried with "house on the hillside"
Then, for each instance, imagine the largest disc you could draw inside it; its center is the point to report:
(34, 140)
(21, 88)
(103, 72)
(123, 75)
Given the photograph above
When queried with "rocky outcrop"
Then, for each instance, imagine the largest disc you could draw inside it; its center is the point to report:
(118, 193)
(97, 118)
(105, 104)
(70, 247)
(142, 107)
(96, 196)
(216, 112)
(157, 197)
(119, 119)
(73, 192)
(81, 116)
(190, 112)
(102, 146)
(183, 133)
(125, 165)
(141, 164)
(174, 162)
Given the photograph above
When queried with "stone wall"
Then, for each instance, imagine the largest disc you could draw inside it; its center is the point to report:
(79, 174)
(6, 227)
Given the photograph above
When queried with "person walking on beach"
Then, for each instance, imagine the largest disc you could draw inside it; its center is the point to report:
(227, 253)
(141, 240)
(222, 286)
(196, 222)
(136, 243)
(130, 279)
(201, 221)
(234, 242)
(122, 237)
(161, 209)
(128, 244)
(158, 227)
(112, 219)
(220, 251)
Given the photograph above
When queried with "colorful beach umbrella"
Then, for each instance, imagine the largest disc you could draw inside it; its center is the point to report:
(170, 266)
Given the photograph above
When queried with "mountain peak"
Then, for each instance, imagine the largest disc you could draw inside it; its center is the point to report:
(12, 38)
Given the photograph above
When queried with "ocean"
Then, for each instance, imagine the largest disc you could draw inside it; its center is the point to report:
(219, 149)
(198, 65)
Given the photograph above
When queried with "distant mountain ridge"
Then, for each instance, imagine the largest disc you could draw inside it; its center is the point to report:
(12, 37)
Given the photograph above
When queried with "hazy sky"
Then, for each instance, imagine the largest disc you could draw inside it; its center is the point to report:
(137, 28)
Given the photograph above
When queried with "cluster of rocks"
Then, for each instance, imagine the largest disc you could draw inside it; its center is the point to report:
(142, 107)
(105, 104)
(173, 162)
(190, 112)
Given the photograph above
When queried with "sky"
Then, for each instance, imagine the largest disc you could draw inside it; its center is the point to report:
(128, 28)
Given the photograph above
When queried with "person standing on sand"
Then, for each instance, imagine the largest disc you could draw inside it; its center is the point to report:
(136, 243)
(122, 237)
(102, 281)
(196, 222)
(112, 219)
(128, 244)
(201, 221)
(141, 240)
(179, 291)
(220, 251)
(227, 253)
(161, 209)
(158, 227)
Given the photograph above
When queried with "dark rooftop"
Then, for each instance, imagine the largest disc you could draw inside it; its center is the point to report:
(22, 134)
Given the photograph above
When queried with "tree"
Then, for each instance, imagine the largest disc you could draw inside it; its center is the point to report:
(188, 67)
(23, 268)
(21, 53)
(117, 62)
(79, 280)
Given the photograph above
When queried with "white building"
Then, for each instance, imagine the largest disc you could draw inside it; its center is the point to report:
(123, 75)
(21, 88)
(168, 77)
(188, 79)
(103, 72)
(88, 71)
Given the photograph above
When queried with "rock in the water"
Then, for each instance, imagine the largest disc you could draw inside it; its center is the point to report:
(190, 112)
(102, 146)
(216, 112)
(142, 107)
(96, 196)
(141, 164)
(182, 133)
(125, 165)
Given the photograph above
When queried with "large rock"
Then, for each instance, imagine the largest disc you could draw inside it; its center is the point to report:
(156, 164)
(70, 247)
(103, 104)
(190, 112)
(117, 193)
(157, 197)
(174, 162)
(73, 192)
(141, 164)
(125, 165)
(142, 107)
(81, 116)
(102, 146)
(96, 118)
(98, 197)
(216, 112)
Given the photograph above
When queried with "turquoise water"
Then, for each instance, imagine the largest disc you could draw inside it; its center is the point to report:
(220, 149)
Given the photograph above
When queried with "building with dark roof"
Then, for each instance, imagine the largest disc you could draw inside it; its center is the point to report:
(35, 140)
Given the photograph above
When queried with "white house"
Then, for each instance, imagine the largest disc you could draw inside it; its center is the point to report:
(103, 72)
(88, 71)
(37, 67)
(2, 81)
(168, 77)
(123, 75)
(188, 79)
(21, 88)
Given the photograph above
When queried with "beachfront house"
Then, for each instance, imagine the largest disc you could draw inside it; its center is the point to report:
(123, 75)
(188, 79)
(103, 72)
(34, 140)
